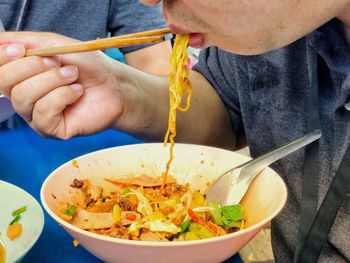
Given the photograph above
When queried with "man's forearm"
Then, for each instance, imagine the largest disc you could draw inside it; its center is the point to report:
(147, 109)
(207, 121)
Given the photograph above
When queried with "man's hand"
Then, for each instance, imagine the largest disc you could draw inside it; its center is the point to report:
(85, 93)
(59, 96)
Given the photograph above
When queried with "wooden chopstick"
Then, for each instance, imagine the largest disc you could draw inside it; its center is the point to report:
(155, 32)
(152, 36)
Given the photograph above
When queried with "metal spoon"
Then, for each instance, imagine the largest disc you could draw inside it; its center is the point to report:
(231, 186)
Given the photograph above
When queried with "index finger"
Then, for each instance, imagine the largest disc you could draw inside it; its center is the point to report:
(34, 39)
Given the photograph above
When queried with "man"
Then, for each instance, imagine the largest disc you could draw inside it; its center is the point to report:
(88, 20)
(268, 98)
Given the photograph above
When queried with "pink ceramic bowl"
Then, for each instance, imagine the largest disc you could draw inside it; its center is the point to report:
(194, 164)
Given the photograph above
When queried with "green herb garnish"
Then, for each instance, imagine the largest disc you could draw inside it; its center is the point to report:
(184, 225)
(19, 211)
(231, 214)
(70, 210)
(216, 213)
(16, 219)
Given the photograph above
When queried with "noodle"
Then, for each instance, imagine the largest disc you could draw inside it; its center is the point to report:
(179, 84)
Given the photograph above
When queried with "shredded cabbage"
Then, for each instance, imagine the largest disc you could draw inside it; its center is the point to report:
(143, 206)
(202, 209)
(155, 226)
(159, 225)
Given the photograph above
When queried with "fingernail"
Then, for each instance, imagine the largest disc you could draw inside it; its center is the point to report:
(14, 51)
(77, 87)
(69, 72)
(51, 62)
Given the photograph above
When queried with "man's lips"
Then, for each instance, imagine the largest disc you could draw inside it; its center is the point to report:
(178, 30)
(196, 39)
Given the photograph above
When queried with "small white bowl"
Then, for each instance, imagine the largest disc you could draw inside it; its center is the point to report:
(32, 220)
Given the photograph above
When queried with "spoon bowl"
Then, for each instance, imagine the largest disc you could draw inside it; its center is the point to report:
(232, 185)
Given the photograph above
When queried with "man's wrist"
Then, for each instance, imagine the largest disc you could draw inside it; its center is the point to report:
(144, 98)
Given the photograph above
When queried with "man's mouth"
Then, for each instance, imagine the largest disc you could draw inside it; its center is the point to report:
(196, 39)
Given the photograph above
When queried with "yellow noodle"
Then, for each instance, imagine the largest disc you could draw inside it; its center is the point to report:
(179, 86)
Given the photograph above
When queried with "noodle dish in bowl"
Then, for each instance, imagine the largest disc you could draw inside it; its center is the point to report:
(113, 176)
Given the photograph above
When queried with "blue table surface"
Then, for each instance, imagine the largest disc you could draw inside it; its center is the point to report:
(26, 159)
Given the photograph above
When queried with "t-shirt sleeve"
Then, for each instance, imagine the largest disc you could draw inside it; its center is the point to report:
(218, 68)
(129, 16)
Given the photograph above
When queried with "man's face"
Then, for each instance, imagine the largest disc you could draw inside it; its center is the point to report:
(246, 26)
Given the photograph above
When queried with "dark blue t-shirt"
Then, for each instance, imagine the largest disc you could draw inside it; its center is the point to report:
(83, 20)
(268, 99)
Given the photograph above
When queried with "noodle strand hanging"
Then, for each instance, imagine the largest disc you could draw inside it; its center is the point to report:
(179, 85)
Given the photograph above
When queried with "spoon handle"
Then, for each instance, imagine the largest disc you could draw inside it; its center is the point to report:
(256, 165)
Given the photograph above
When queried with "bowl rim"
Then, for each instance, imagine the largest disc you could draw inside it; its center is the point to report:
(41, 215)
(154, 243)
